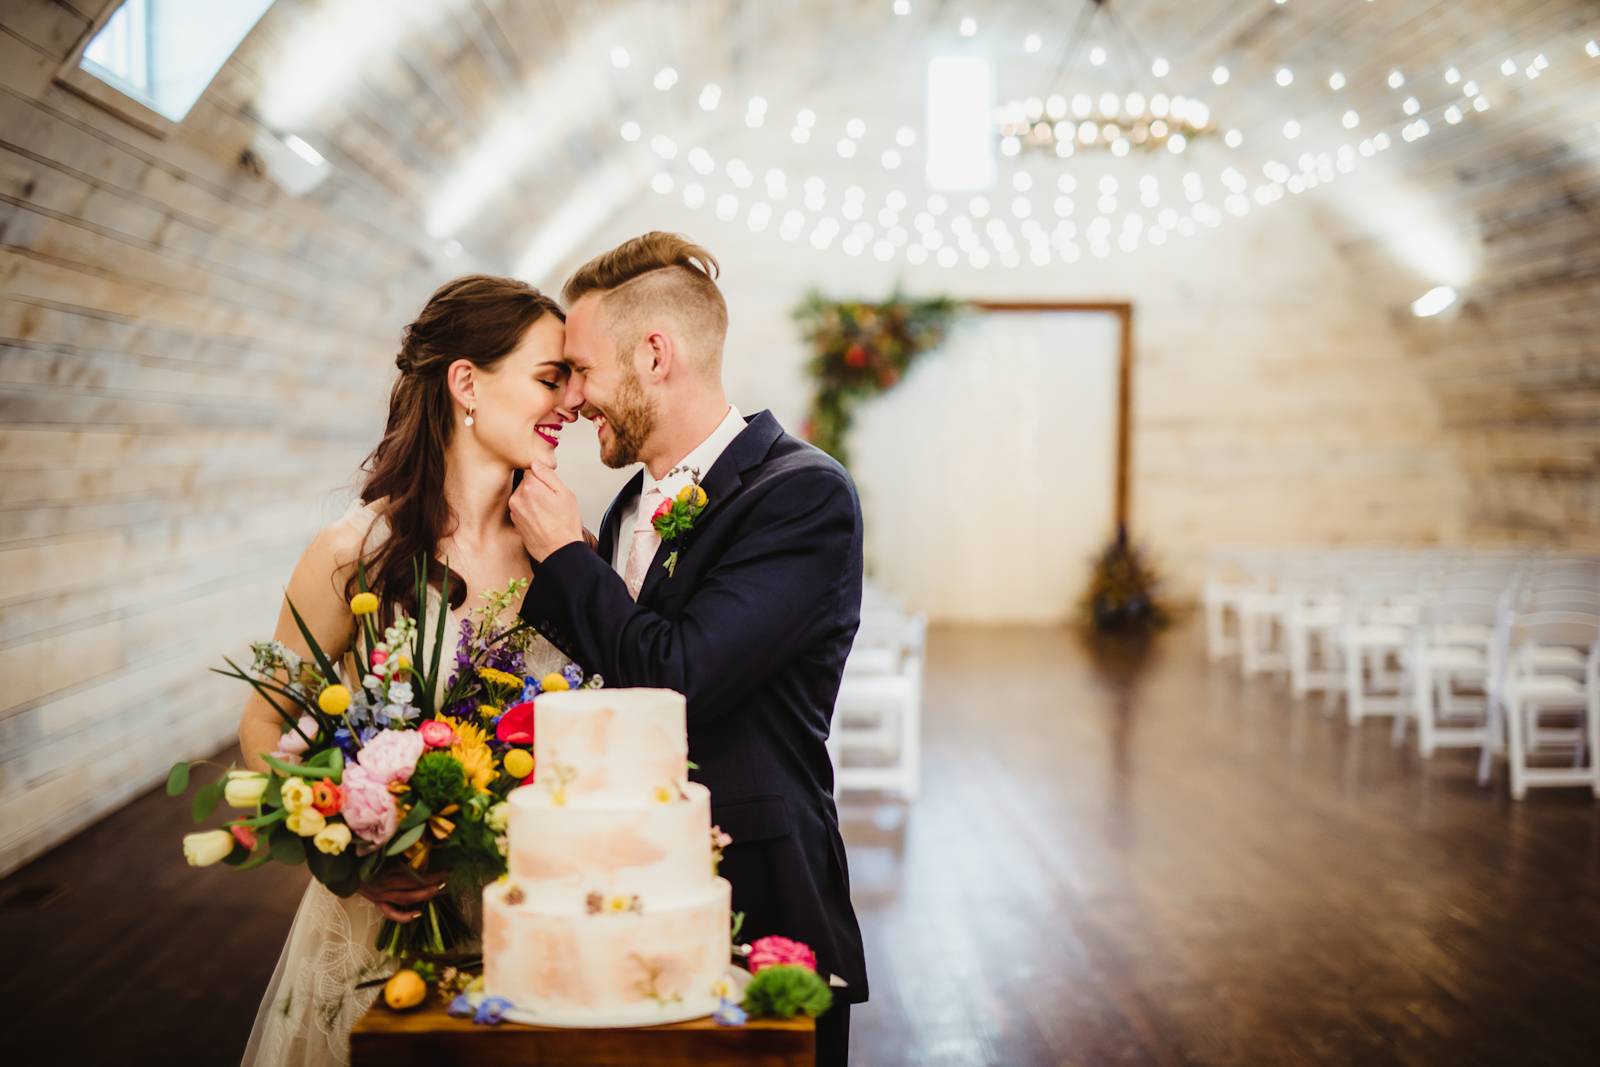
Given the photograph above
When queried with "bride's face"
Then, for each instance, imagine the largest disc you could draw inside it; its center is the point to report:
(523, 401)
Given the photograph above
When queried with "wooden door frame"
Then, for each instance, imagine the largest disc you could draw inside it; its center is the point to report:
(1124, 312)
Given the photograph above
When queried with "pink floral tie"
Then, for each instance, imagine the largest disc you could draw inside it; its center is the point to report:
(645, 542)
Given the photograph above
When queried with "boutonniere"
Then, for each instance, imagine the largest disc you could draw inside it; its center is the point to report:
(676, 517)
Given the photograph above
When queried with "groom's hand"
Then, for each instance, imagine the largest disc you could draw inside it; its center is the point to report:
(545, 513)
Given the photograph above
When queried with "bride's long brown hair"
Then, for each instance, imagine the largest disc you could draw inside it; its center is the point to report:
(480, 318)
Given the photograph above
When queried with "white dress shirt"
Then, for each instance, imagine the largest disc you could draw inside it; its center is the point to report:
(697, 464)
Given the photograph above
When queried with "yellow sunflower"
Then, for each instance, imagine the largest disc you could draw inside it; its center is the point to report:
(472, 749)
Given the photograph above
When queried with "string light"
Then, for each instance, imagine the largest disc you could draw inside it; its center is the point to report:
(1103, 122)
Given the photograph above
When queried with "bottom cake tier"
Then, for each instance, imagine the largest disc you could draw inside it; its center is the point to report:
(625, 965)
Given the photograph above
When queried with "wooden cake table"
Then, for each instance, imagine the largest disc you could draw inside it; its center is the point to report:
(428, 1037)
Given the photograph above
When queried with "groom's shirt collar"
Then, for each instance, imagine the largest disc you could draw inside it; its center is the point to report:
(697, 464)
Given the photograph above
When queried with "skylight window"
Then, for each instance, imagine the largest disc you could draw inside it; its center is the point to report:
(163, 53)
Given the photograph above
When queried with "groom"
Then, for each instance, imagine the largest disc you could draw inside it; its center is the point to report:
(755, 618)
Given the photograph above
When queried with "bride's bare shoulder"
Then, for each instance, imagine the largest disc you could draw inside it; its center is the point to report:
(352, 536)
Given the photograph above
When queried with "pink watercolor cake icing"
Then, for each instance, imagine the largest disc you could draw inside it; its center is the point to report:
(611, 913)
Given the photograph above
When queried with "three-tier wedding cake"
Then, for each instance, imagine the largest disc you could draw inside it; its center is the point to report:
(612, 913)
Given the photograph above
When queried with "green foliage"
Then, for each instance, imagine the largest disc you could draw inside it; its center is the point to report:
(339, 873)
(786, 990)
(860, 350)
(177, 779)
(439, 780)
(206, 800)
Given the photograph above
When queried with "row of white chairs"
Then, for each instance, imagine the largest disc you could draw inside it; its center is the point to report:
(876, 739)
(1480, 649)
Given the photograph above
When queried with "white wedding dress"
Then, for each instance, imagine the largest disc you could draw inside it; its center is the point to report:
(311, 1001)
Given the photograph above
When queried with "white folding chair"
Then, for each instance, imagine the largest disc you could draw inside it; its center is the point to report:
(1450, 652)
(1381, 609)
(879, 709)
(1316, 609)
(1537, 684)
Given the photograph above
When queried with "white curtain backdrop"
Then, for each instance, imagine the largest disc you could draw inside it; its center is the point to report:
(988, 476)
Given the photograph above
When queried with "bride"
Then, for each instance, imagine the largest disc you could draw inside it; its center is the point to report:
(483, 392)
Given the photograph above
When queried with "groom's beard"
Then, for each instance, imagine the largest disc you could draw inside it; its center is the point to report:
(631, 418)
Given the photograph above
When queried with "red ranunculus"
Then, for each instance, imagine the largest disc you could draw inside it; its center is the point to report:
(245, 836)
(855, 356)
(516, 725)
(326, 797)
(664, 508)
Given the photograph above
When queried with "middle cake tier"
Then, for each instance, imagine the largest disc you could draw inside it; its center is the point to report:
(561, 852)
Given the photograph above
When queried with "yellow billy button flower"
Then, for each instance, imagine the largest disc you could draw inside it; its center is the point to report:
(335, 700)
(617, 904)
(692, 495)
(402, 664)
(364, 604)
(518, 763)
(663, 795)
(553, 683)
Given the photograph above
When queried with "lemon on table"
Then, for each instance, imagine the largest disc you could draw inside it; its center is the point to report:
(405, 990)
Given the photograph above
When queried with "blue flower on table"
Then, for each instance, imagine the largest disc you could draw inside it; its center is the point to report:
(729, 1014)
(460, 1007)
(491, 1010)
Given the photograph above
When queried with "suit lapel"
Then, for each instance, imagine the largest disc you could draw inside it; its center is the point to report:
(721, 483)
(612, 520)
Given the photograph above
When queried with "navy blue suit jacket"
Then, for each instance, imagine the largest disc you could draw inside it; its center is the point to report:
(753, 628)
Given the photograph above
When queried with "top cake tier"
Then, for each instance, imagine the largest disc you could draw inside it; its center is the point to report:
(618, 744)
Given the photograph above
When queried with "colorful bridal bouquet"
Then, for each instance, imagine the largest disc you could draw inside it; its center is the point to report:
(373, 773)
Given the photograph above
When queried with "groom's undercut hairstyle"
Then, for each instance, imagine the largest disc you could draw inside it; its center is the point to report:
(652, 274)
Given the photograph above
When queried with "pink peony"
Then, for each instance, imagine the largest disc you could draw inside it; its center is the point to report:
(391, 755)
(775, 950)
(436, 733)
(369, 807)
(292, 744)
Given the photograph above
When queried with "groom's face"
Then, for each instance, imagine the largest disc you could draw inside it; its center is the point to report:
(614, 399)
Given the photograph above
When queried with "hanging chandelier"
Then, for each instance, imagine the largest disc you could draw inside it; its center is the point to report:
(1118, 122)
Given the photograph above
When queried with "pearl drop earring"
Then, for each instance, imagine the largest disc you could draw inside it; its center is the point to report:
(469, 415)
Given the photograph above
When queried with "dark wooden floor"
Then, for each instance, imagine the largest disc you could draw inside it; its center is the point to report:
(1131, 864)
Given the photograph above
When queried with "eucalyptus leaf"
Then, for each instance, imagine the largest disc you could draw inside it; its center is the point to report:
(206, 800)
(415, 816)
(405, 840)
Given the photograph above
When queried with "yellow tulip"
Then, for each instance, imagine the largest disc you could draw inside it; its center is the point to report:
(295, 794)
(335, 700)
(207, 847)
(364, 604)
(307, 822)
